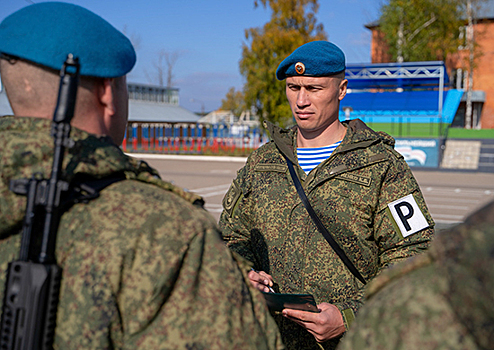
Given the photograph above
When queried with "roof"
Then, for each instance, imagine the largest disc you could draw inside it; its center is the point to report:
(219, 116)
(152, 112)
(477, 96)
(372, 24)
(428, 74)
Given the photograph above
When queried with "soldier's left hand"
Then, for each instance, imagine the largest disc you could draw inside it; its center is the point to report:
(324, 325)
(261, 280)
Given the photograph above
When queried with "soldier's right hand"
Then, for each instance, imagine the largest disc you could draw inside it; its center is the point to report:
(261, 280)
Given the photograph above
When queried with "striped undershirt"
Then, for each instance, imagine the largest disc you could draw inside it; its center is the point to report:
(309, 158)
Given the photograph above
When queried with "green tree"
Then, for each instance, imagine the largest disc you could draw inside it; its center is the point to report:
(292, 23)
(422, 30)
(233, 101)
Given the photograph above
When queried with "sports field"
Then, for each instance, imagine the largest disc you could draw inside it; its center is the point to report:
(430, 130)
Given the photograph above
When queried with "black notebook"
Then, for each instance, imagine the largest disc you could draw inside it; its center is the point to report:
(279, 301)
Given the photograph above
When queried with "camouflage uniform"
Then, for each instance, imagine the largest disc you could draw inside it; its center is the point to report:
(143, 268)
(265, 221)
(442, 299)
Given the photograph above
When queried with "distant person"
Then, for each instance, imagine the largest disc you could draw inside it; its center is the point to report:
(144, 266)
(359, 187)
(442, 299)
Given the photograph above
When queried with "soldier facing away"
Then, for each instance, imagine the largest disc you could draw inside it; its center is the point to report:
(442, 299)
(144, 266)
(359, 187)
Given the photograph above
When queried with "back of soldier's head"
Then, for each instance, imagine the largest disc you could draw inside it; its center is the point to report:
(46, 33)
(35, 41)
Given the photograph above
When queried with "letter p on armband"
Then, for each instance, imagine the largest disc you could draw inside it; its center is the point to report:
(407, 216)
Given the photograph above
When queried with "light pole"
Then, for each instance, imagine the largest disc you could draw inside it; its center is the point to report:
(468, 114)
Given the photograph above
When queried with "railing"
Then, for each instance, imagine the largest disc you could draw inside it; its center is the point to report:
(242, 140)
(192, 139)
(192, 145)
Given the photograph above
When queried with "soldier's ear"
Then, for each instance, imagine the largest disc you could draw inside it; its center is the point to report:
(342, 89)
(105, 95)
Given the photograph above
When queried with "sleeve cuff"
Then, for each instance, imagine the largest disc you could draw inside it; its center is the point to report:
(348, 317)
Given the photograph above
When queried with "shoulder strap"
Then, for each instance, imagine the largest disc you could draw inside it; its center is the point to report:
(320, 226)
(85, 189)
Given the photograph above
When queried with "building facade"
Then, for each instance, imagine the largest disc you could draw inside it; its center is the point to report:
(457, 66)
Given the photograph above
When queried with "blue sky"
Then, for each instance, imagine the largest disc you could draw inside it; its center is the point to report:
(207, 35)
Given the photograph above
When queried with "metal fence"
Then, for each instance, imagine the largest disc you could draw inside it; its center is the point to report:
(192, 138)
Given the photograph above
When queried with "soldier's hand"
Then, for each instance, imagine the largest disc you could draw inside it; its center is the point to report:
(324, 325)
(261, 280)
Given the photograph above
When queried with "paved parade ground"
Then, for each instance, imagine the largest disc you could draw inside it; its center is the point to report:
(450, 195)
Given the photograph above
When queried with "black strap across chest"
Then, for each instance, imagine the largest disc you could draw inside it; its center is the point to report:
(320, 226)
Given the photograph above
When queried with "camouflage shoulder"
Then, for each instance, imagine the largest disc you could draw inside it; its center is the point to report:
(146, 173)
(241, 185)
(263, 149)
(398, 271)
(390, 149)
(265, 154)
(232, 197)
(260, 155)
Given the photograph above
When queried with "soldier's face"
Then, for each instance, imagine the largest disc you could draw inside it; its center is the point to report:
(315, 100)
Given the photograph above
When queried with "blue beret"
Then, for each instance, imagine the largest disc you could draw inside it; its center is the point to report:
(45, 33)
(314, 59)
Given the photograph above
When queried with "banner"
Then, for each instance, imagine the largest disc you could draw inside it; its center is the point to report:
(419, 152)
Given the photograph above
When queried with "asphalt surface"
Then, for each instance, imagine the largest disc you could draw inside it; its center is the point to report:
(450, 195)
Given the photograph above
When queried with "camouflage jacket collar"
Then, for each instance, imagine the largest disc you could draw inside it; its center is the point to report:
(27, 147)
(27, 143)
(358, 135)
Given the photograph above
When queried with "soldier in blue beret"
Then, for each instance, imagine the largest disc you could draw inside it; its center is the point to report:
(34, 43)
(144, 265)
(366, 209)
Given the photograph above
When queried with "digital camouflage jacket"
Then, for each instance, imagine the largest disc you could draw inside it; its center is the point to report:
(143, 268)
(442, 299)
(354, 193)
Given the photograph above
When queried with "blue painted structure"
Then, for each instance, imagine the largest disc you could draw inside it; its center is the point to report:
(411, 92)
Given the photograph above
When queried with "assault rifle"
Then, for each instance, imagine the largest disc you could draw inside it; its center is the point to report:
(33, 281)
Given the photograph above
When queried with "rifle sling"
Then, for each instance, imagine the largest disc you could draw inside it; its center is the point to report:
(320, 226)
(84, 189)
